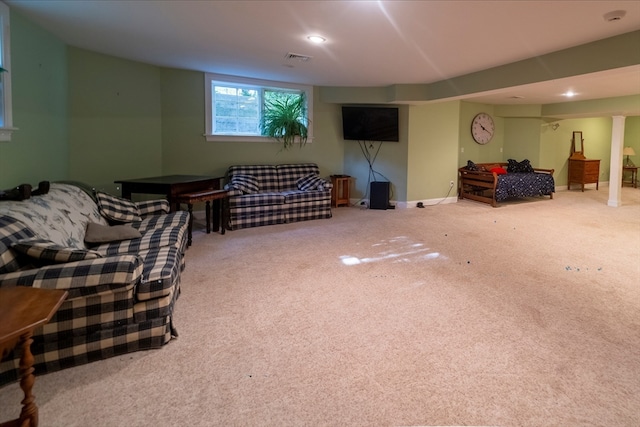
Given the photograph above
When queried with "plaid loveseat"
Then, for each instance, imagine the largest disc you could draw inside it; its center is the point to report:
(121, 293)
(276, 194)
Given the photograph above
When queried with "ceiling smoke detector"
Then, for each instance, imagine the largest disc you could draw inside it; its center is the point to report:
(614, 15)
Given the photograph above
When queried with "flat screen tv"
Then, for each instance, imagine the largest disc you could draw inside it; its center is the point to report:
(366, 123)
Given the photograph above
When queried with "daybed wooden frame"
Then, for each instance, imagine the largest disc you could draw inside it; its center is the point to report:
(481, 185)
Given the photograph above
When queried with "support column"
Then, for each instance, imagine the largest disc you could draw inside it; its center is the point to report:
(615, 168)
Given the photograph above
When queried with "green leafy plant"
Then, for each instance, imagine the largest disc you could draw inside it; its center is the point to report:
(284, 118)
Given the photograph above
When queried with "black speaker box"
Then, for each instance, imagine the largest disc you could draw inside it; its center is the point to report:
(379, 195)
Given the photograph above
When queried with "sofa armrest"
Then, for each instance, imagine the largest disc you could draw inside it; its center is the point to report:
(81, 278)
(153, 207)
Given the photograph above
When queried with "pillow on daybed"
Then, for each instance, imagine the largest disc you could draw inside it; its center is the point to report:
(46, 250)
(98, 233)
(248, 184)
(519, 167)
(489, 166)
(471, 166)
(499, 170)
(116, 208)
(310, 182)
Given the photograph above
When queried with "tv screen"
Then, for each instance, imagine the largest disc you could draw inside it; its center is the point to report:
(364, 123)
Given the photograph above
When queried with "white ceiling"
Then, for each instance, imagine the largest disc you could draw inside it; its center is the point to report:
(369, 43)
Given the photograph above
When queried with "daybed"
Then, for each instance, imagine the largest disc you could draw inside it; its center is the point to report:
(276, 194)
(119, 261)
(495, 182)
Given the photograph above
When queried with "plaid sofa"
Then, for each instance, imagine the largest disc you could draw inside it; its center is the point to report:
(121, 293)
(276, 194)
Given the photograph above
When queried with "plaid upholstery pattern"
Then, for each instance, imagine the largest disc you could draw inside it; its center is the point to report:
(157, 231)
(310, 182)
(46, 250)
(153, 207)
(290, 174)
(266, 175)
(11, 230)
(247, 184)
(119, 302)
(278, 200)
(117, 209)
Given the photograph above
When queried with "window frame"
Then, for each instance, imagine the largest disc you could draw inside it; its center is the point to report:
(7, 128)
(262, 85)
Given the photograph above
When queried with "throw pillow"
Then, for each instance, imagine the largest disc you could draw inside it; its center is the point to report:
(116, 208)
(489, 166)
(499, 171)
(46, 250)
(519, 167)
(309, 182)
(471, 166)
(248, 184)
(98, 233)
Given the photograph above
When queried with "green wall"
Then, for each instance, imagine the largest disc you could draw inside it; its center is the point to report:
(115, 119)
(39, 150)
(389, 160)
(185, 150)
(96, 118)
(433, 151)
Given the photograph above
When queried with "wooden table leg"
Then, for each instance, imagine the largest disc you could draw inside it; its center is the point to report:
(207, 209)
(216, 215)
(190, 208)
(29, 413)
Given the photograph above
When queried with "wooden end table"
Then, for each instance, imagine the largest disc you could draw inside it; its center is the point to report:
(218, 198)
(340, 191)
(22, 310)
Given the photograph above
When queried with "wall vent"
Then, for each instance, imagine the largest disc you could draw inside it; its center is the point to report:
(290, 56)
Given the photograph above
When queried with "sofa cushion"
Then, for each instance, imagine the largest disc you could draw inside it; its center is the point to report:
(46, 250)
(117, 209)
(98, 233)
(519, 167)
(248, 184)
(61, 215)
(11, 230)
(310, 182)
(258, 199)
(157, 231)
(267, 176)
(298, 196)
(289, 174)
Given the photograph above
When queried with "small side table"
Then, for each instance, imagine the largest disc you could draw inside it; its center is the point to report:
(634, 175)
(218, 198)
(22, 310)
(340, 190)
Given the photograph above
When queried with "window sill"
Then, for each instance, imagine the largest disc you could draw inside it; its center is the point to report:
(5, 133)
(244, 138)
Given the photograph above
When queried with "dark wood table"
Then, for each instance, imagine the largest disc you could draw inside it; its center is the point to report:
(634, 175)
(169, 185)
(22, 310)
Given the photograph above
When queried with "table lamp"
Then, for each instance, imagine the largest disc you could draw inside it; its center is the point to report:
(628, 151)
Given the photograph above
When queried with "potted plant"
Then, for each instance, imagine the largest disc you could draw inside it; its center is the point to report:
(284, 118)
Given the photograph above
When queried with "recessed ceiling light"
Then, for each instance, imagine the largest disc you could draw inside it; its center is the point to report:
(316, 39)
(569, 94)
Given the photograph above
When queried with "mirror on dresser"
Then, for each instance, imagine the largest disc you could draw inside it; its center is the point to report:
(582, 170)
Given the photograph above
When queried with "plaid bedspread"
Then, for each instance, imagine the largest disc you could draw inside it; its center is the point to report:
(278, 199)
(120, 298)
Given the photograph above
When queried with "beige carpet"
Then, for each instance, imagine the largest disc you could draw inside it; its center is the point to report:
(459, 314)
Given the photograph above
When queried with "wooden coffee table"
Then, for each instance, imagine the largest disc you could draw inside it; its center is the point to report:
(22, 310)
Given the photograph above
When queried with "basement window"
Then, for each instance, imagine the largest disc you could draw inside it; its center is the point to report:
(234, 106)
(6, 117)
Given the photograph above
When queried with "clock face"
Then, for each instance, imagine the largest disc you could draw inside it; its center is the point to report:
(482, 128)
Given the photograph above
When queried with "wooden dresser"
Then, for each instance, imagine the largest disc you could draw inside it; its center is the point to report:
(583, 171)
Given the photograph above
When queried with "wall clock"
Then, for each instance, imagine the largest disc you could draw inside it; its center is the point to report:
(482, 128)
